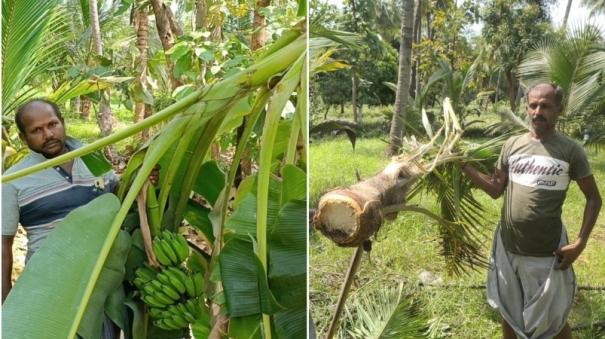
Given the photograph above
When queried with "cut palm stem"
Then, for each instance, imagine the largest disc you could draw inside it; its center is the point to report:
(350, 215)
(344, 291)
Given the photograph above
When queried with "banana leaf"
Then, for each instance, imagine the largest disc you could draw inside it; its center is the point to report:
(244, 291)
(49, 298)
(109, 281)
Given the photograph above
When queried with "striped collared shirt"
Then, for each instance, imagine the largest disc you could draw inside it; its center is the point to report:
(40, 200)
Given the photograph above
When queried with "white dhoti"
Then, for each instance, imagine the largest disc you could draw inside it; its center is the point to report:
(531, 295)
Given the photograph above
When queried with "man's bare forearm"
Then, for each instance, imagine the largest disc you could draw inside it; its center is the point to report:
(591, 212)
(492, 185)
(7, 266)
(589, 188)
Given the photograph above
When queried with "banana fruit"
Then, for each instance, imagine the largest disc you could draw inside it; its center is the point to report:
(170, 249)
(173, 293)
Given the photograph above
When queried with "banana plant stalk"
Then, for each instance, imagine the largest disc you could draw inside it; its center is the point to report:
(257, 109)
(282, 93)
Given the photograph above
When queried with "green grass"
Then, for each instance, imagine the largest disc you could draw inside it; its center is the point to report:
(407, 246)
(88, 131)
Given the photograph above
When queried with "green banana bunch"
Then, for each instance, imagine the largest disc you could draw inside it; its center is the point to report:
(172, 293)
(144, 275)
(170, 249)
(176, 316)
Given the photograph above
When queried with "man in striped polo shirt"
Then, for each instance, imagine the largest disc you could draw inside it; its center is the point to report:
(41, 200)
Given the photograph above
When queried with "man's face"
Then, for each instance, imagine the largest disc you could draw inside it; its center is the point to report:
(43, 132)
(542, 109)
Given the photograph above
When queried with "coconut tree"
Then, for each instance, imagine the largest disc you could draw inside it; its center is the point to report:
(105, 116)
(403, 78)
(25, 52)
(575, 63)
(141, 26)
(166, 27)
(595, 6)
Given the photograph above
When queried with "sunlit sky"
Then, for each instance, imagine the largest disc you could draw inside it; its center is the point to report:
(577, 14)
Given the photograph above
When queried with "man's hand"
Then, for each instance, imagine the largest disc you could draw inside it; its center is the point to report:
(567, 254)
(154, 176)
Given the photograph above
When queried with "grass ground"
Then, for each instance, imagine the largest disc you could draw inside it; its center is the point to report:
(407, 246)
(88, 131)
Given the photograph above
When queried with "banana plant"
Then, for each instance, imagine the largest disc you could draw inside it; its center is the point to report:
(264, 230)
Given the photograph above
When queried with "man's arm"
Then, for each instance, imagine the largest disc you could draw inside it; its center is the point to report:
(7, 264)
(493, 185)
(569, 253)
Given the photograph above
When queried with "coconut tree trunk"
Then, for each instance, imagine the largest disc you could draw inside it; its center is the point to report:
(85, 104)
(497, 86)
(513, 86)
(142, 30)
(429, 27)
(257, 41)
(566, 16)
(105, 117)
(354, 94)
(403, 78)
(74, 104)
(415, 81)
(349, 216)
(258, 35)
(201, 12)
(163, 20)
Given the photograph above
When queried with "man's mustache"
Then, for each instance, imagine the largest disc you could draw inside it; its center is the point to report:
(539, 118)
(48, 142)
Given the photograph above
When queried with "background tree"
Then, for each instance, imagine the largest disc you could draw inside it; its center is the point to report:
(595, 6)
(403, 78)
(142, 95)
(514, 26)
(105, 116)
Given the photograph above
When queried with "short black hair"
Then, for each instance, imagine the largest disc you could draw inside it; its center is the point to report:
(558, 91)
(24, 108)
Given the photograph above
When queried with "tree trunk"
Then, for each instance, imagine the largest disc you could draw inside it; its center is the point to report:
(174, 24)
(85, 105)
(513, 86)
(497, 86)
(97, 42)
(105, 117)
(415, 77)
(162, 22)
(201, 12)
(403, 78)
(257, 41)
(142, 30)
(258, 35)
(349, 216)
(429, 33)
(201, 24)
(354, 94)
(567, 10)
(74, 105)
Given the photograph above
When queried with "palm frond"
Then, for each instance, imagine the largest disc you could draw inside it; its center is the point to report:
(24, 25)
(574, 63)
(385, 312)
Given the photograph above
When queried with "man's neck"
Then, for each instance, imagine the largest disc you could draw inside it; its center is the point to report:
(541, 136)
